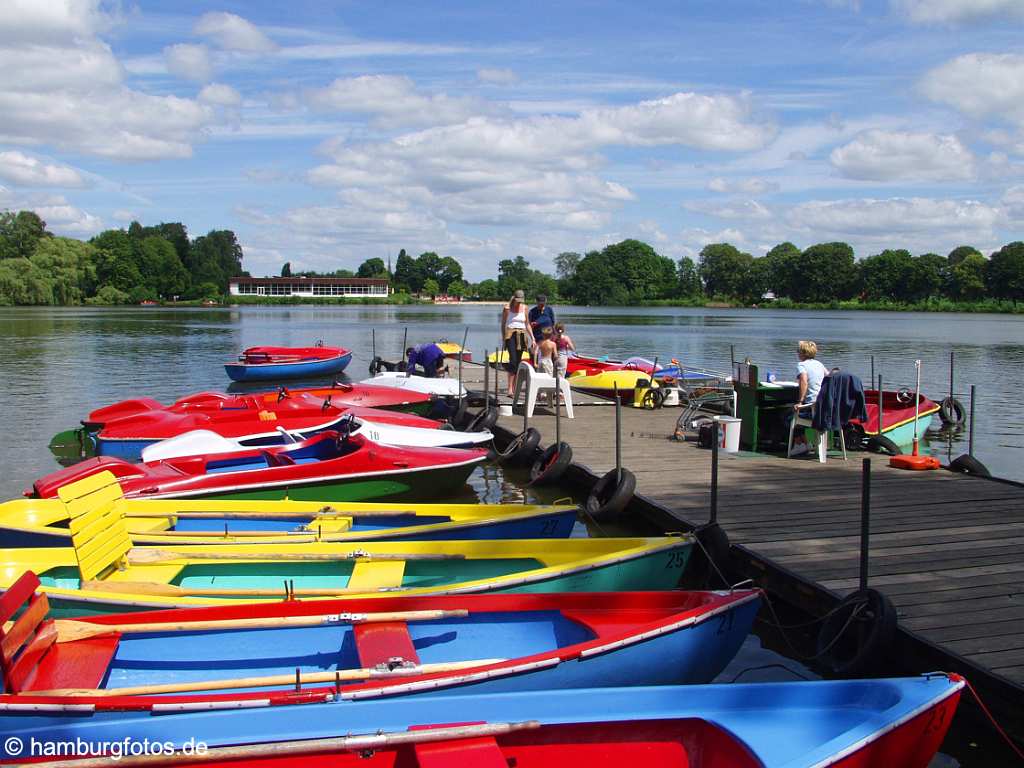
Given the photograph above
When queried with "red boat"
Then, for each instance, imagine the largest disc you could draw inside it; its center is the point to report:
(328, 467)
(898, 417)
(249, 419)
(388, 398)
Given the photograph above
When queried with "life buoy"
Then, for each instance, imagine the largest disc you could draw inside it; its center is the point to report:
(610, 495)
(483, 421)
(522, 447)
(882, 444)
(857, 633)
(969, 466)
(951, 411)
(552, 464)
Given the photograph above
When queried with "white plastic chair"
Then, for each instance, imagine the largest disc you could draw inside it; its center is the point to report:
(806, 421)
(536, 381)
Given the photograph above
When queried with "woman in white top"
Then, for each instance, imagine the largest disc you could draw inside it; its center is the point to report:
(809, 375)
(514, 333)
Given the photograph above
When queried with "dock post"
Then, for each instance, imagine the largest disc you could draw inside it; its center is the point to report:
(872, 369)
(373, 343)
(618, 435)
(405, 338)
(880, 399)
(558, 410)
(497, 356)
(487, 378)
(950, 374)
(713, 517)
(865, 521)
(732, 359)
(970, 427)
(462, 354)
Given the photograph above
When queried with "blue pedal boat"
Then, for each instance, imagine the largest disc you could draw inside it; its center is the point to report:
(273, 363)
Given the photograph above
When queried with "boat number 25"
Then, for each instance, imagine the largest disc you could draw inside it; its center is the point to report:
(676, 559)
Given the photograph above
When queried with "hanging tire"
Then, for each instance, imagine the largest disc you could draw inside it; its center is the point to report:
(874, 624)
(856, 439)
(653, 399)
(375, 366)
(460, 418)
(969, 466)
(521, 449)
(483, 421)
(882, 444)
(951, 411)
(610, 496)
(551, 465)
(715, 547)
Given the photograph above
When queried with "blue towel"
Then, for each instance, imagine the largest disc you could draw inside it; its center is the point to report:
(840, 399)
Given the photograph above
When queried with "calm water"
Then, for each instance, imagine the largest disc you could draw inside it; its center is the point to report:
(58, 364)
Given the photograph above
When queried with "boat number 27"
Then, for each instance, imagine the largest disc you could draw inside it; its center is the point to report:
(676, 559)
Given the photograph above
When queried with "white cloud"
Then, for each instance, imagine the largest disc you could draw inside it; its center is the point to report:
(63, 86)
(392, 98)
(497, 76)
(751, 186)
(955, 11)
(233, 33)
(750, 210)
(61, 218)
(895, 219)
(980, 85)
(31, 172)
(220, 95)
(191, 62)
(901, 155)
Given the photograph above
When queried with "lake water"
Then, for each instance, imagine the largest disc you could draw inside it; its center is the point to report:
(57, 364)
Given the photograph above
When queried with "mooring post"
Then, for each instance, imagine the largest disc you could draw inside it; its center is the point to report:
(872, 369)
(373, 343)
(970, 427)
(558, 410)
(732, 359)
(713, 516)
(880, 399)
(950, 374)
(462, 354)
(496, 357)
(618, 434)
(865, 521)
(487, 378)
(405, 338)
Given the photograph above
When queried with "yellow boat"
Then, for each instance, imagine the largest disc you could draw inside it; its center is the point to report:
(453, 350)
(103, 572)
(44, 522)
(632, 385)
(501, 357)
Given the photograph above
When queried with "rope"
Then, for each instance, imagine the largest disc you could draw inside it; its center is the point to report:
(770, 666)
(714, 565)
(1017, 751)
(803, 657)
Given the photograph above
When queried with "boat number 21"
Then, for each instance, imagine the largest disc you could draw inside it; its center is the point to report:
(675, 559)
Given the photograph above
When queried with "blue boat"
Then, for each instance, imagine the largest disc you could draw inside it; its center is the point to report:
(274, 363)
(892, 722)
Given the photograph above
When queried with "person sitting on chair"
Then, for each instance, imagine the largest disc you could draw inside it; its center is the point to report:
(429, 357)
(809, 375)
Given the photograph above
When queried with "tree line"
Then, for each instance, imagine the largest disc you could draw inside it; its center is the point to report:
(117, 266)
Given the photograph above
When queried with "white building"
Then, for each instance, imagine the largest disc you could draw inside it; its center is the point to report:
(309, 287)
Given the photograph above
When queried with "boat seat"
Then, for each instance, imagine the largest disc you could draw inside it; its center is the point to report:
(378, 642)
(371, 576)
(480, 752)
(78, 664)
(535, 381)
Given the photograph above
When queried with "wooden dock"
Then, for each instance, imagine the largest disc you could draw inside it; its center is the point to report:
(946, 548)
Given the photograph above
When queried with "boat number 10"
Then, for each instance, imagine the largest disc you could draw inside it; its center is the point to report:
(676, 559)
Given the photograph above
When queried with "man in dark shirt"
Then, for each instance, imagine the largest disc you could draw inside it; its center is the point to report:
(430, 358)
(541, 317)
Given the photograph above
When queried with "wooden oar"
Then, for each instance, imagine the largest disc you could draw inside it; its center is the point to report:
(171, 590)
(266, 681)
(69, 630)
(277, 749)
(151, 556)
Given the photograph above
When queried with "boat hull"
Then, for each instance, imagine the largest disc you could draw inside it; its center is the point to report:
(895, 722)
(301, 369)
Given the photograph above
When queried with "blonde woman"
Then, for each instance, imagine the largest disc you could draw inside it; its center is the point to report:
(809, 375)
(514, 332)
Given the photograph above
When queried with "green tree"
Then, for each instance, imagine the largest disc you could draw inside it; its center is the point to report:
(451, 271)
(22, 282)
(784, 272)
(598, 282)
(20, 233)
(961, 252)
(756, 281)
(488, 290)
(108, 294)
(286, 269)
(566, 264)
(688, 279)
(513, 274)
(431, 287)
(70, 265)
(1005, 274)
(828, 273)
(723, 269)
(887, 275)
(928, 277)
(372, 268)
(645, 274)
(458, 288)
(407, 275)
(162, 271)
(429, 265)
(967, 278)
(214, 258)
(117, 262)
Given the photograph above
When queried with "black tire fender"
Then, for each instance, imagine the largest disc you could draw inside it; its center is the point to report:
(874, 625)
(522, 447)
(375, 366)
(552, 464)
(610, 495)
(882, 444)
(483, 421)
(969, 466)
(653, 398)
(951, 411)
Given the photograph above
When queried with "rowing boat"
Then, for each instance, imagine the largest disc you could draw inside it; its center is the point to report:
(272, 363)
(45, 522)
(327, 466)
(369, 648)
(103, 572)
(813, 724)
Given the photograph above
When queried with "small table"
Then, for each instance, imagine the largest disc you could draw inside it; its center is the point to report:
(762, 407)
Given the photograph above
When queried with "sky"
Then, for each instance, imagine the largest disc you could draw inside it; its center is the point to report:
(325, 133)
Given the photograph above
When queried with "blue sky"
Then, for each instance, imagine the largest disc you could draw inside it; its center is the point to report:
(327, 133)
